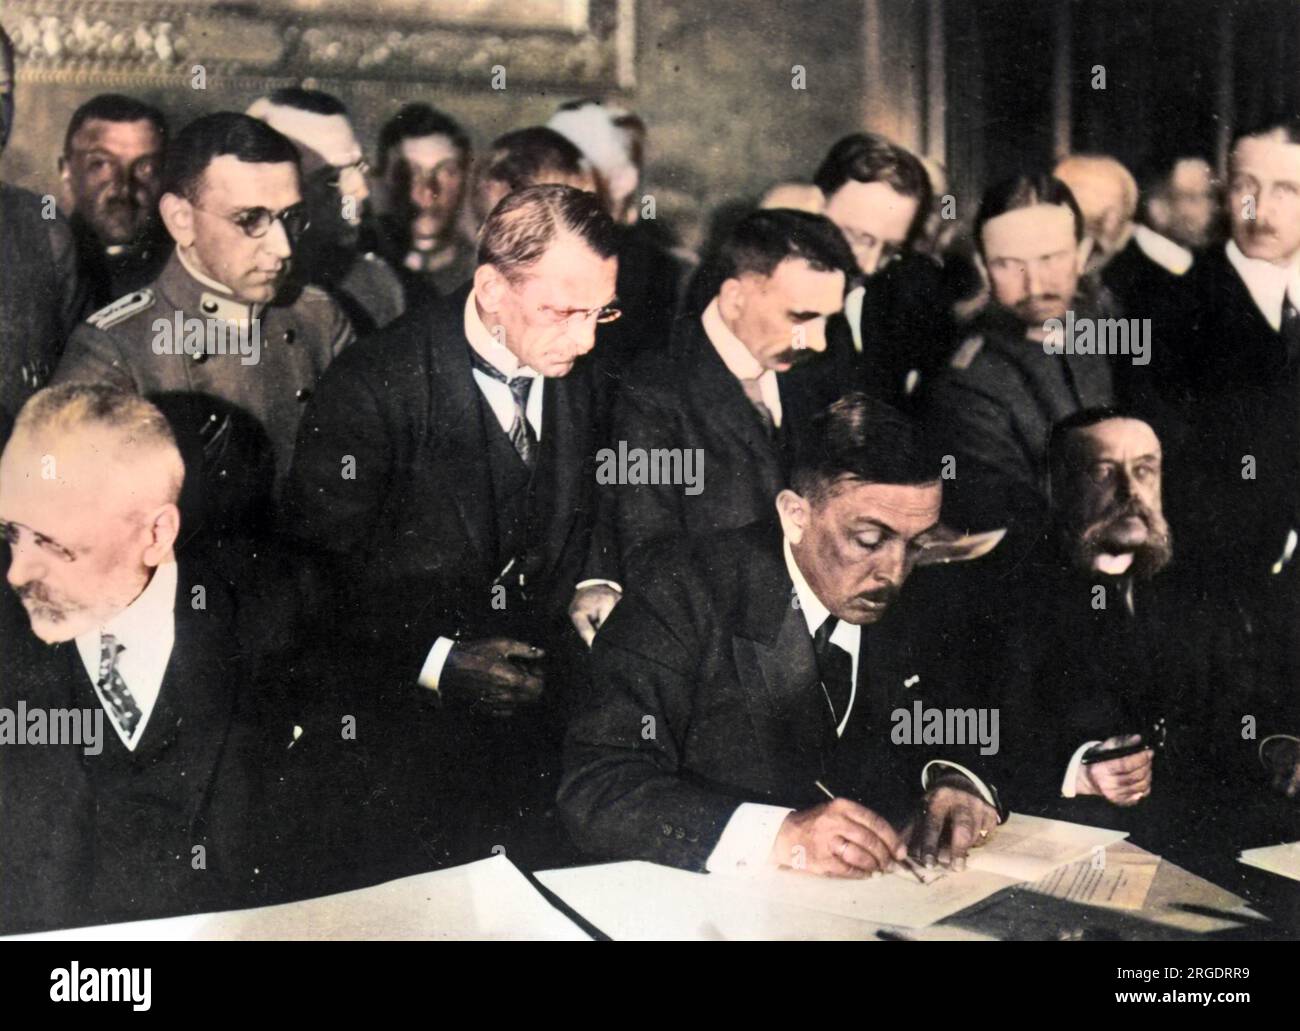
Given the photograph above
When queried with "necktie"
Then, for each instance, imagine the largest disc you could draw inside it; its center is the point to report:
(1291, 330)
(117, 696)
(754, 391)
(835, 666)
(521, 431)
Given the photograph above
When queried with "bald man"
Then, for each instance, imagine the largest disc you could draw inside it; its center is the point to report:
(1140, 268)
(335, 189)
(137, 802)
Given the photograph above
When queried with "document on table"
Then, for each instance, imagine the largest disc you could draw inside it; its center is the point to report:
(637, 901)
(1115, 880)
(642, 900)
(1283, 860)
(489, 899)
(1028, 848)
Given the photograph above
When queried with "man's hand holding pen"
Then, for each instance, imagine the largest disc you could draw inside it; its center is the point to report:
(1123, 778)
(839, 838)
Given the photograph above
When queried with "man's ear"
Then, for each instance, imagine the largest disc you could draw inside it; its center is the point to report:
(489, 287)
(163, 526)
(731, 299)
(178, 216)
(795, 512)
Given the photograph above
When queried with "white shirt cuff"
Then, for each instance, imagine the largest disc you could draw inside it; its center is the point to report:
(431, 671)
(1072, 771)
(608, 583)
(747, 840)
(980, 786)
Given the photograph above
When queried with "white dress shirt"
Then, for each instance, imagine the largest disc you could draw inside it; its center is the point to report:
(146, 630)
(739, 361)
(1268, 283)
(747, 840)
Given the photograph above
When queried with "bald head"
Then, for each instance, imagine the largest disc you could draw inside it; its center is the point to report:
(88, 488)
(1107, 194)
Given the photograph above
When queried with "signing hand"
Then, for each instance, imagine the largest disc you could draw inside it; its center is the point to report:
(954, 819)
(590, 608)
(495, 672)
(1122, 782)
(837, 839)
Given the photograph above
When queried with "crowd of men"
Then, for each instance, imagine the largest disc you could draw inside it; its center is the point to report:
(391, 522)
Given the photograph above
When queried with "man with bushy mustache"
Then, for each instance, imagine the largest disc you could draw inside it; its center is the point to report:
(1117, 662)
(738, 384)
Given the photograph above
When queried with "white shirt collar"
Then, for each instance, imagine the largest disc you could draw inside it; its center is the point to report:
(146, 630)
(847, 635)
(739, 361)
(488, 346)
(1163, 251)
(853, 314)
(1268, 283)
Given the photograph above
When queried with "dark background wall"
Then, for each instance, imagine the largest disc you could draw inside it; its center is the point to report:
(983, 86)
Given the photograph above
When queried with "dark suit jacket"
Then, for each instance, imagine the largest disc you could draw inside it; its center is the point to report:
(412, 539)
(88, 839)
(993, 408)
(686, 398)
(705, 695)
(906, 327)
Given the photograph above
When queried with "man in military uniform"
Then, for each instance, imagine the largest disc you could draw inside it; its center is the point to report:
(216, 340)
(334, 187)
(41, 294)
(993, 407)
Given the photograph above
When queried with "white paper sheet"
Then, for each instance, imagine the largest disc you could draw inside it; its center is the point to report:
(1121, 881)
(643, 901)
(1283, 860)
(489, 899)
(1028, 848)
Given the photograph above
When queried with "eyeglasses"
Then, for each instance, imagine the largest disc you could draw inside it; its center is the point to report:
(332, 175)
(602, 314)
(13, 532)
(256, 222)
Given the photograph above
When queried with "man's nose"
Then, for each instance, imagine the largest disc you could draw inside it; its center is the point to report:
(582, 332)
(814, 335)
(869, 258)
(1033, 279)
(26, 565)
(1123, 485)
(276, 241)
(892, 566)
(423, 194)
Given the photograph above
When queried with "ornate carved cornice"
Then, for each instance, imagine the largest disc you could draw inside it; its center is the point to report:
(121, 40)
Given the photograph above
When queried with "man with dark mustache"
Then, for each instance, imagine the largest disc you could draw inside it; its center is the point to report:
(1109, 644)
(728, 383)
(750, 674)
(993, 407)
(1238, 346)
(112, 176)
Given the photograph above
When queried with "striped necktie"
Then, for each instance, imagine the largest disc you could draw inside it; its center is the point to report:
(521, 430)
(116, 695)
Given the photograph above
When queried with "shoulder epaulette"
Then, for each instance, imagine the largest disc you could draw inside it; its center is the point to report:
(121, 309)
(966, 353)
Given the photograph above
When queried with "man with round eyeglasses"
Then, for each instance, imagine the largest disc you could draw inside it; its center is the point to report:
(461, 542)
(221, 340)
